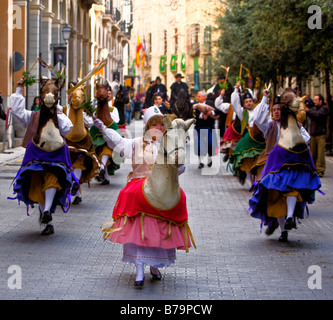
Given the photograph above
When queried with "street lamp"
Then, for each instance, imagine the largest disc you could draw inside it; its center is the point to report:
(66, 32)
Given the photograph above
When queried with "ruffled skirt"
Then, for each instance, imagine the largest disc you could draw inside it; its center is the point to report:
(285, 171)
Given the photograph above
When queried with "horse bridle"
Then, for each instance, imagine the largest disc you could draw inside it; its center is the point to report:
(165, 153)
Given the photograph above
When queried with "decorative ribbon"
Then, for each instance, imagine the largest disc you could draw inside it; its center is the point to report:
(109, 230)
(142, 232)
(244, 120)
(187, 231)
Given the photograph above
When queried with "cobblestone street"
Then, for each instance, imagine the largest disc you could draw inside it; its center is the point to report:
(233, 259)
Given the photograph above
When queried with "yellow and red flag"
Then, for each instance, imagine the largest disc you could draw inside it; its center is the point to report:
(137, 56)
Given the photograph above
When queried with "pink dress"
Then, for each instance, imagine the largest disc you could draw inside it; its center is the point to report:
(149, 235)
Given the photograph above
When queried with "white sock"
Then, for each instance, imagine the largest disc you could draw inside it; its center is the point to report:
(106, 175)
(140, 274)
(104, 160)
(291, 204)
(281, 222)
(49, 196)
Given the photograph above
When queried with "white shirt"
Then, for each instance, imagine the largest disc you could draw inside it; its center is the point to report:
(260, 111)
(126, 147)
(223, 106)
(17, 104)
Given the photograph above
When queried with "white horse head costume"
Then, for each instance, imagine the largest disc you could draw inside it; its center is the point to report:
(292, 110)
(161, 188)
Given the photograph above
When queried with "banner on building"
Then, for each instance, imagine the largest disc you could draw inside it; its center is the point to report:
(173, 63)
(163, 64)
(137, 55)
(183, 62)
(60, 55)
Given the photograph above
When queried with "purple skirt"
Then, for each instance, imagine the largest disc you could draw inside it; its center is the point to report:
(36, 159)
(285, 171)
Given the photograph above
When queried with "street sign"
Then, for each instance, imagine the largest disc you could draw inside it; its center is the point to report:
(18, 61)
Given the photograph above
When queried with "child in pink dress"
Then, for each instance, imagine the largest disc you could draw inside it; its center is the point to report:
(150, 235)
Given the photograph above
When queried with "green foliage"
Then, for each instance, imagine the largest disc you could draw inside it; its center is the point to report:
(88, 107)
(273, 39)
(61, 76)
(28, 79)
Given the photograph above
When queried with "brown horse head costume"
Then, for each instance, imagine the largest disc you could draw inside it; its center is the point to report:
(103, 111)
(48, 136)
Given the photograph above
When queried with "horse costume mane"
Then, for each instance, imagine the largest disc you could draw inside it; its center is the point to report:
(47, 135)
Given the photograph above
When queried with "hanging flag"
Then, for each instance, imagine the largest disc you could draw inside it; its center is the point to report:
(183, 62)
(163, 64)
(137, 56)
(173, 63)
(143, 53)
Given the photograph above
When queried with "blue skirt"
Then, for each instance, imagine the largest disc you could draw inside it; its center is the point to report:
(36, 159)
(285, 171)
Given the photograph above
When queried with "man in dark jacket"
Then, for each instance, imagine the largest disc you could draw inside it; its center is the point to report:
(149, 95)
(159, 88)
(2, 109)
(205, 139)
(317, 127)
(175, 87)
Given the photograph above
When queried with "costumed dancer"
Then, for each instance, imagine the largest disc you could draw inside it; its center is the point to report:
(80, 144)
(271, 129)
(233, 127)
(45, 176)
(120, 101)
(113, 110)
(205, 139)
(289, 179)
(252, 143)
(104, 153)
(150, 215)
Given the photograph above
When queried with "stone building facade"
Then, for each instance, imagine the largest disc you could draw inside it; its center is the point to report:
(34, 28)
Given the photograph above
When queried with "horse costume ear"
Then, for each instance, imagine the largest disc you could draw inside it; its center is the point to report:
(167, 121)
(188, 123)
(42, 81)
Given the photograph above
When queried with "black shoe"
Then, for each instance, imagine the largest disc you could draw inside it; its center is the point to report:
(101, 175)
(271, 228)
(45, 217)
(201, 165)
(290, 223)
(77, 200)
(242, 177)
(105, 182)
(75, 188)
(139, 283)
(210, 164)
(156, 276)
(48, 230)
(284, 236)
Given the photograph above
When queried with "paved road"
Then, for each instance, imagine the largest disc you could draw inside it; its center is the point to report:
(233, 259)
